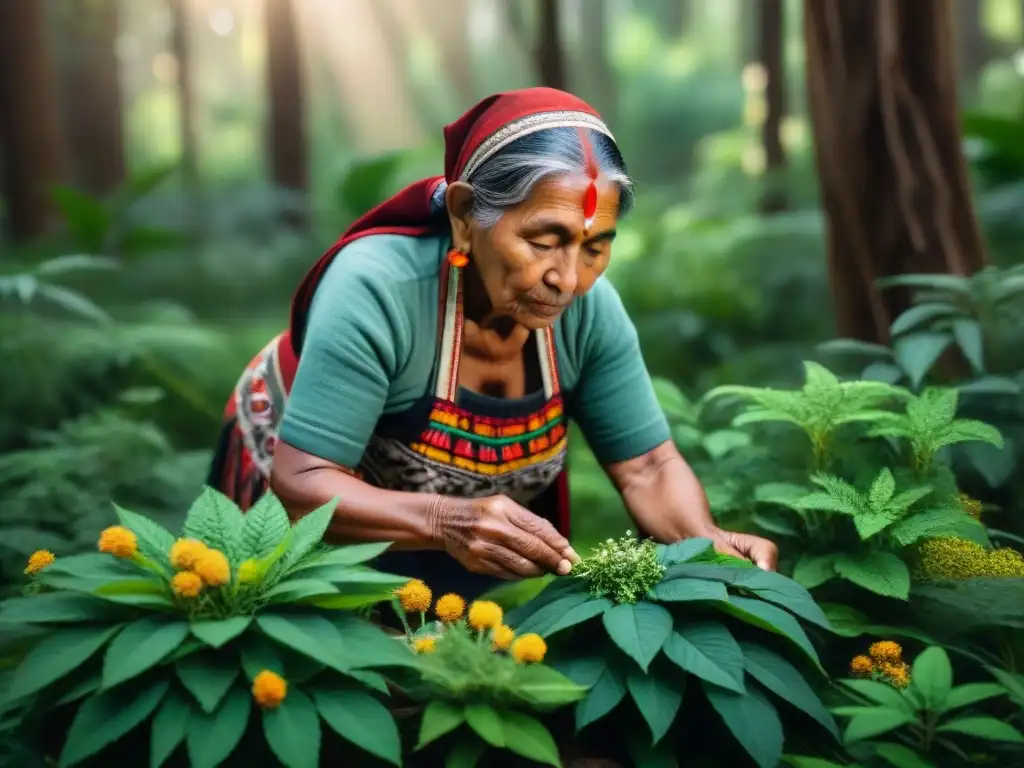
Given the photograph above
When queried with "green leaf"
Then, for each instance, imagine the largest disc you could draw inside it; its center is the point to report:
(293, 731)
(708, 650)
(359, 718)
(466, 753)
(929, 524)
(683, 551)
(604, 696)
(439, 718)
(367, 645)
(549, 614)
(881, 693)
(105, 717)
(218, 632)
(526, 736)
(309, 531)
(216, 521)
(871, 724)
(57, 655)
(771, 618)
(969, 337)
(983, 728)
(922, 313)
(752, 720)
(812, 571)
(776, 588)
(900, 756)
(544, 687)
(800, 761)
(679, 590)
(294, 590)
(212, 738)
(1014, 683)
(155, 541)
(918, 352)
(170, 725)
(972, 693)
(784, 680)
(141, 645)
(353, 554)
(263, 528)
(56, 608)
(658, 698)
(639, 629)
(207, 676)
(487, 723)
(933, 676)
(879, 571)
(579, 614)
(311, 635)
(882, 489)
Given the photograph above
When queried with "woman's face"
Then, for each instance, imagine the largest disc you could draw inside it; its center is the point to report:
(537, 259)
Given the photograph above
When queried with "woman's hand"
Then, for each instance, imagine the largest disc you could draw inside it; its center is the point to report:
(497, 537)
(761, 552)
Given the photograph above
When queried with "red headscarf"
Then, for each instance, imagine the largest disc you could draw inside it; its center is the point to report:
(408, 212)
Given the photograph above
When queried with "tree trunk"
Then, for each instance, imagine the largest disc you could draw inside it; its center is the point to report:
(286, 131)
(883, 102)
(974, 47)
(31, 153)
(770, 50)
(597, 70)
(187, 127)
(550, 56)
(90, 79)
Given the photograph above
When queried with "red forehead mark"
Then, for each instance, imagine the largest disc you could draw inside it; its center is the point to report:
(590, 195)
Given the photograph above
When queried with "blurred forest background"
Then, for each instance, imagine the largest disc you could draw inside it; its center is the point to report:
(170, 169)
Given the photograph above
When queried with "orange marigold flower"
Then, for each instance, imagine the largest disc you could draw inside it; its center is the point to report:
(425, 645)
(503, 637)
(414, 596)
(861, 666)
(269, 689)
(213, 568)
(529, 649)
(450, 608)
(484, 615)
(39, 560)
(185, 552)
(119, 541)
(186, 584)
(886, 650)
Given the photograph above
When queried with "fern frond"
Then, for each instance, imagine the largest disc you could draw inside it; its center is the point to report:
(881, 491)
(968, 431)
(839, 496)
(908, 498)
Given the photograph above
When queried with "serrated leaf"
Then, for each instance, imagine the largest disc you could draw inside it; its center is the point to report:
(929, 524)
(264, 527)
(882, 490)
(639, 629)
(880, 572)
(812, 571)
(154, 540)
(309, 531)
(217, 521)
(140, 646)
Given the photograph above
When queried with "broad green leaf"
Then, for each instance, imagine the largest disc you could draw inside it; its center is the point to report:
(467, 751)
(261, 653)
(353, 554)
(293, 731)
(801, 761)
(155, 541)
(871, 724)
(881, 693)
(545, 688)
(91, 684)
(972, 693)
(969, 337)
(658, 698)
(931, 523)
(207, 676)
(439, 718)
(309, 634)
(218, 632)
(582, 670)
(294, 590)
(639, 629)
(139, 646)
(812, 571)
(368, 645)
(358, 717)
(784, 680)
(1014, 683)
(526, 736)
(776, 588)
(170, 724)
(216, 521)
(372, 680)
(879, 571)
(549, 614)
(920, 314)
(708, 650)
(771, 618)
(900, 756)
(309, 531)
(933, 676)
(212, 738)
(57, 655)
(983, 728)
(682, 551)
(604, 696)
(917, 353)
(264, 527)
(57, 608)
(870, 523)
(579, 614)
(752, 720)
(679, 590)
(105, 717)
(487, 723)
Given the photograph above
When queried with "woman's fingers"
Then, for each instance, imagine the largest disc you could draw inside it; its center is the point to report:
(510, 526)
(545, 531)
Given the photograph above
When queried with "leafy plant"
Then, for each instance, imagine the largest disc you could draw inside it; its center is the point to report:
(697, 623)
(188, 633)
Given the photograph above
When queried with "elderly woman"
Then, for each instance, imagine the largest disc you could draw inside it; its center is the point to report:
(438, 350)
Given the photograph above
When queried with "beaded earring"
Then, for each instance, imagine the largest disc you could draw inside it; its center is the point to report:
(457, 258)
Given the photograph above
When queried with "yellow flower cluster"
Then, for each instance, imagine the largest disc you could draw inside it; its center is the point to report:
(38, 560)
(449, 608)
(955, 558)
(269, 689)
(971, 506)
(425, 645)
(529, 649)
(198, 566)
(884, 663)
(414, 597)
(119, 542)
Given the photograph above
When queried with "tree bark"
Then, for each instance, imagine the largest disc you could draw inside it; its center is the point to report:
(90, 80)
(550, 55)
(881, 87)
(31, 151)
(188, 130)
(770, 53)
(598, 72)
(286, 124)
(974, 47)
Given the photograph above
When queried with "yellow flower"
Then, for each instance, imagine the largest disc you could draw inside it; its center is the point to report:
(39, 560)
(269, 689)
(861, 666)
(1004, 562)
(949, 557)
(503, 637)
(249, 572)
(529, 649)
(886, 651)
(186, 584)
(425, 645)
(484, 615)
(896, 674)
(972, 507)
(450, 608)
(414, 596)
(185, 552)
(118, 541)
(213, 568)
